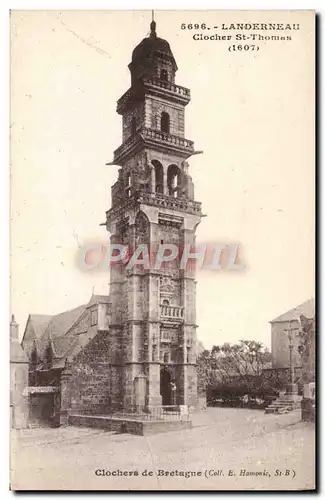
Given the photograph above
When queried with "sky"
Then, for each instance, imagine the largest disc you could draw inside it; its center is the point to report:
(251, 113)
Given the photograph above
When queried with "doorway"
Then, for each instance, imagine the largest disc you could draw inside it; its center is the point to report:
(165, 387)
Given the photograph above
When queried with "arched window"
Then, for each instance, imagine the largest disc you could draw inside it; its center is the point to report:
(133, 125)
(159, 177)
(128, 184)
(165, 122)
(173, 180)
(49, 356)
(165, 302)
(166, 357)
(164, 75)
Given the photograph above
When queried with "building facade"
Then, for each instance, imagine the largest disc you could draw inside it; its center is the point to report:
(153, 320)
(18, 380)
(135, 347)
(280, 328)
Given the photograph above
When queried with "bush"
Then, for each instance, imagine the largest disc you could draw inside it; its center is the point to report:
(241, 394)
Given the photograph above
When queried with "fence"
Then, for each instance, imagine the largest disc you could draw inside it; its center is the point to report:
(172, 413)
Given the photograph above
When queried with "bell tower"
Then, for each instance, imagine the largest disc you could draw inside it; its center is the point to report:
(153, 322)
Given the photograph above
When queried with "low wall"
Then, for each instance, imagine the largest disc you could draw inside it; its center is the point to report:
(127, 425)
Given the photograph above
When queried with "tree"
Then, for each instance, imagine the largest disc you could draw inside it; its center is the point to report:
(235, 370)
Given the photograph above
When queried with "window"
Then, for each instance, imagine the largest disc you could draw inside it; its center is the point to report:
(173, 180)
(128, 183)
(133, 125)
(165, 302)
(164, 75)
(49, 356)
(159, 176)
(166, 357)
(34, 357)
(94, 317)
(165, 122)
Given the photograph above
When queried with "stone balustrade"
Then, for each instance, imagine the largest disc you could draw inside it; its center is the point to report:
(171, 87)
(171, 312)
(170, 139)
(177, 90)
(157, 136)
(169, 202)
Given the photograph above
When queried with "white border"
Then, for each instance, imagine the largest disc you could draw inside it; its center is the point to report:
(317, 5)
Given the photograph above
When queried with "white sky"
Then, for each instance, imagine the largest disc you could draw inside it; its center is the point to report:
(251, 113)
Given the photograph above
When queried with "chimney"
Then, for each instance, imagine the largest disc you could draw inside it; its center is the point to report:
(14, 329)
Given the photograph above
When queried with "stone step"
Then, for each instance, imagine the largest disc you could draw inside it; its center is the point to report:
(284, 409)
(282, 403)
(280, 406)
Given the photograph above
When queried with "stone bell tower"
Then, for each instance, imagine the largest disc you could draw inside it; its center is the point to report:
(153, 322)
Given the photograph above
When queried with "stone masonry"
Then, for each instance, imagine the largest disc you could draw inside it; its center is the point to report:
(137, 346)
(153, 310)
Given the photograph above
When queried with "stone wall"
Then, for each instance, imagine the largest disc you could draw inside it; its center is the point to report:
(18, 380)
(18, 396)
(94, 378)
(153, 110)
(138, 113)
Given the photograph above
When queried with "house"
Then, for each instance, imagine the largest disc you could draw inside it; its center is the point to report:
(50, 342)
(18, 380)
(280, 328)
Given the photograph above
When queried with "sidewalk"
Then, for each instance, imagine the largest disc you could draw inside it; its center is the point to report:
(221, 439)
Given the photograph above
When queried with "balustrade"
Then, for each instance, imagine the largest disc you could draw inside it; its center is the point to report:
(168, 311)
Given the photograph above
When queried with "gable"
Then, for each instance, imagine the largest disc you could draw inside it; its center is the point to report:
(306, 309)
(34, 330)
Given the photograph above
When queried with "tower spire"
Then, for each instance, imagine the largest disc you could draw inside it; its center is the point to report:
(153, 33)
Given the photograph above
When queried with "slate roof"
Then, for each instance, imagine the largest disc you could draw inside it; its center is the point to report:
(39, 322)
(57, 328)
(306, 309)
(98, 299)
(17, 353)
(61, 323)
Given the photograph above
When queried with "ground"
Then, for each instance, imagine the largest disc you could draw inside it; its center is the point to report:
(279, 447)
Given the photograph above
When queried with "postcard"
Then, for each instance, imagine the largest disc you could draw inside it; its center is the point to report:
(162, 250)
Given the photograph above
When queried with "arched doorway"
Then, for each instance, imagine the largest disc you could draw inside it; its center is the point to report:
(165, 387)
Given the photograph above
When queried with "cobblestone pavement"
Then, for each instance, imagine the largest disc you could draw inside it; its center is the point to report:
(225, 449)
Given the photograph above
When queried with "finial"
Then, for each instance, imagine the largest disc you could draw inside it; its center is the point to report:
(153, 33)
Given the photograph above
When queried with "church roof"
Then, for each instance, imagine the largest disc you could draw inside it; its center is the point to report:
(151, 47)
(62, 322)
(39, 322)
(98, 299)
(56, 328)
(148, 47)
(306, 309)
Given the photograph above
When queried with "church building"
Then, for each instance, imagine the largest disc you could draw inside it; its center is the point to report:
(136, 347)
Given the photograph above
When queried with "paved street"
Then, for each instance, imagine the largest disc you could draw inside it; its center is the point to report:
(226, 449)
